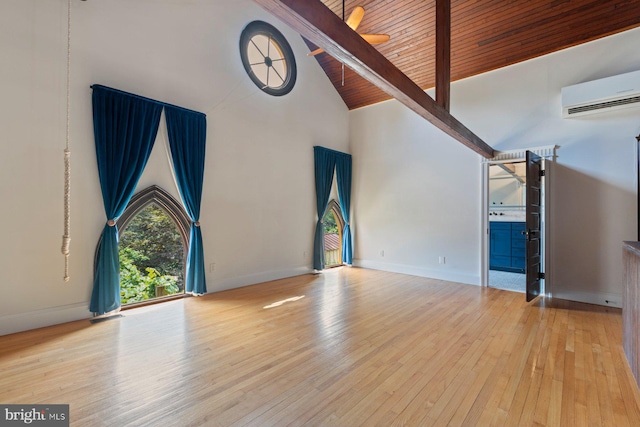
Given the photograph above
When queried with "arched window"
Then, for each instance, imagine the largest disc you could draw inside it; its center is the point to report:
(333, 226)
(153, 244)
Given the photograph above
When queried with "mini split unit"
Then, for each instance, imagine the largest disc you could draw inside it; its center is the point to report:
(611, 93)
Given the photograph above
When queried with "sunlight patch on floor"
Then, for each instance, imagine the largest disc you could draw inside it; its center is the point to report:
(279, 303)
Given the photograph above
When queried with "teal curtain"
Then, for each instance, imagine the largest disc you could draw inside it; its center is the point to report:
(343, 170)
(125, 128)
(324, 165)
(187, 132)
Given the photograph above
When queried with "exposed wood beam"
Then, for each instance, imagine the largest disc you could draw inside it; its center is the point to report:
(511, 169)
(443, 53)
(507, 167)
(319, 24)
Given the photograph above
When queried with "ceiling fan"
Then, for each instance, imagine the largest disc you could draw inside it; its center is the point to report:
(353, 22)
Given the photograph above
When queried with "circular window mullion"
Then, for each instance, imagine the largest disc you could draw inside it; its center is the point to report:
(275, 81)
(258, 49)
(277, 73)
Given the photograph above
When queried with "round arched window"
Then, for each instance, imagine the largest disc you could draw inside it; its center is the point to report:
(268, 58)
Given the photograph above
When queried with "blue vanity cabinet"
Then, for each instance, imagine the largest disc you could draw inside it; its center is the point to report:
(500, 245)
(507, 246)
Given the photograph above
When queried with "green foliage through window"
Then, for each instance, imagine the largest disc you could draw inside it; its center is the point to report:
(330, 224)
(151, 256)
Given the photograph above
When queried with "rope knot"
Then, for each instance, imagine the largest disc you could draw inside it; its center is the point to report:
(66, 242)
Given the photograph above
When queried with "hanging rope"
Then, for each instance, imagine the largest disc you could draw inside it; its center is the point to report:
(343, 62)
(66, 238)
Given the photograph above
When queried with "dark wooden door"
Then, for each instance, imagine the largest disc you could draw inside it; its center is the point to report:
(533, 224)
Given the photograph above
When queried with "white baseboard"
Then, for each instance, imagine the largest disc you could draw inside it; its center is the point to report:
(217, 285)
(55, 315)
(412, 270)
(598, 298)
(40, 318)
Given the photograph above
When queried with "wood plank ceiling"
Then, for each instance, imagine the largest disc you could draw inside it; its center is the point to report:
(485, 35)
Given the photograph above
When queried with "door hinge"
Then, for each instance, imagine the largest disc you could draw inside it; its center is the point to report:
(540, 276)
(542, 172)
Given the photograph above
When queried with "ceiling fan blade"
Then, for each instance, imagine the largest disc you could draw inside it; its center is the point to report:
(376, 38)
(316, 52)
(355, 18)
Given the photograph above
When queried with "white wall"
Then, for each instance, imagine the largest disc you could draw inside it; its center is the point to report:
(258, 205)
(417, 192)
(416, 196)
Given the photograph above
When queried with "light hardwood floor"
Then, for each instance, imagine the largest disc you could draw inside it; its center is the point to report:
(349, 347)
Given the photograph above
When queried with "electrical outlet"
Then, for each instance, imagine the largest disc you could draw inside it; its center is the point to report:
(442, 260)
(304, 254)
(212, 267)
(382, 253)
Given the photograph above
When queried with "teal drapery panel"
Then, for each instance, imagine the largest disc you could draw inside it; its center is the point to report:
(324, 166)
(343, 170)
(187, 132)
(125, 129)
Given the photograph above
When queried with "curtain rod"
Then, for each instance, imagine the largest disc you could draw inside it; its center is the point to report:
(335, 151)
(164, 104)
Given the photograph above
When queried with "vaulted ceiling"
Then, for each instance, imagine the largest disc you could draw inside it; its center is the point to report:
(485, 35)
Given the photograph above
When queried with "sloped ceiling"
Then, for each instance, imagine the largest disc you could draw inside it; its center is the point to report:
(485, 35)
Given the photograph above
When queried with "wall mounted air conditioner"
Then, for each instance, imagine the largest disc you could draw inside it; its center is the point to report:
(621, 91)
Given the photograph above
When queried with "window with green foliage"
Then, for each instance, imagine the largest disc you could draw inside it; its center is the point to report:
(333, 225)
(330, 223)
(152, 247)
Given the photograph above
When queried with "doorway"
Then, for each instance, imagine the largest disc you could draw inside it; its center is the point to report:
(515, 206)
(507, 204)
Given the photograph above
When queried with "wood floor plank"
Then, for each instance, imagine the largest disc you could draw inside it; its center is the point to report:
(348, 347)
(543, 408)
